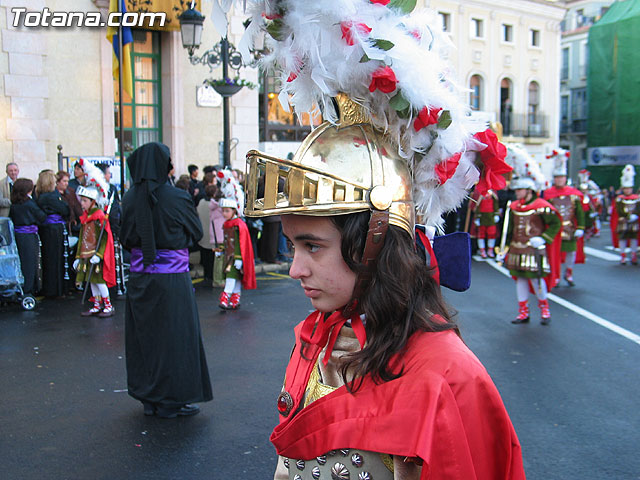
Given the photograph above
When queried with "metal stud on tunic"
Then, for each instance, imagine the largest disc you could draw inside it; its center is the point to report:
(322, 459)
(357, 460)
(300, 464)
(344, 452)
(286, 462)
(340, 472)
(365, 476)
(297, 477)
(315, 473)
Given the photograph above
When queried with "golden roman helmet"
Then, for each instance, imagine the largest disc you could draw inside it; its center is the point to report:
(338, 169)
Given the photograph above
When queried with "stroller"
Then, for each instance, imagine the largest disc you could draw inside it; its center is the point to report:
(11, 279)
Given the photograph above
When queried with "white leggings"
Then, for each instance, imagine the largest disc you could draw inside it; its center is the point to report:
(522, 289)
(570, 259)
(631, 243)
(231, 285)
(99, 290)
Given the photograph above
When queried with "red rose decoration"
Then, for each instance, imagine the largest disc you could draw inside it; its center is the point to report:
(446, 169)
(493, 160)
(347, 31)
(381, 2)
(383, 79)
(426, 117)
(292, 77)
(220, 175)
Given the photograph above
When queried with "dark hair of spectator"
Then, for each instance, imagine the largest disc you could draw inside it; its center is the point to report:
(212, 191)
(183, 183)
(20, 190)
(208, 179)
(61, 174)
(209, 169)
(192, 168)
(103, 166)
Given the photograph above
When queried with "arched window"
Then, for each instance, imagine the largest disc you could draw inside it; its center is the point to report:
(506, 89)
(475, 85)
(534, 102)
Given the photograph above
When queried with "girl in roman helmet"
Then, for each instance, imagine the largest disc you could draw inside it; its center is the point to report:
(624, 218)
(379, 383)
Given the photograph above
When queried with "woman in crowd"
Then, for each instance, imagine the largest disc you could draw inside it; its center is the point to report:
(53, 235)
(26, 217)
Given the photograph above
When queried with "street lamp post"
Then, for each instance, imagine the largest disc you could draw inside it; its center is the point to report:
(223, 53)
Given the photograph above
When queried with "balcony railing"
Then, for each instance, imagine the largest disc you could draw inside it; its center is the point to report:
(578, 126)
(525, 125)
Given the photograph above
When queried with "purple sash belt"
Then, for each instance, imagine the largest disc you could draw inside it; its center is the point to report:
(54, 218)
(26, 229)
(166, 261)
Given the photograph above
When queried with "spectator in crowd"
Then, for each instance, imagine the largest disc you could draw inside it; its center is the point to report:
(166, 364)
(26, 217)
(210, 169)
(69, 196)
(171, 177)
(54, 236)
(206, 243)
(115, 212)
(6, 185)
(195, 186)
(208, 179)
(78, 177)
(183, 183)
(216, 233)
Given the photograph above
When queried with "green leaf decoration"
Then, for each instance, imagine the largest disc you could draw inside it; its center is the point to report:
(276, 29)
(400, 105)
(445, 120)
(405, 6)
(382, 44)
(364, 58)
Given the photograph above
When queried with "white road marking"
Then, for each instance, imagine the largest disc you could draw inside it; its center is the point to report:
(581, 311)
(600, 254)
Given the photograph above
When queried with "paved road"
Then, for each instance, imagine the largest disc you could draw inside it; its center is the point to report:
(571, 388)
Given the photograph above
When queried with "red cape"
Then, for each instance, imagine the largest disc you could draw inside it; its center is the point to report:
(444, 409)
(109, 260)
(553, 250)
(554, 192)
(615, 218)
(246, 250)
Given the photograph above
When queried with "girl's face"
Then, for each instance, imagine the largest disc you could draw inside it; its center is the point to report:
(86, 203)
(228, 213)
(317, 261)
(63, 183)
(522, 193)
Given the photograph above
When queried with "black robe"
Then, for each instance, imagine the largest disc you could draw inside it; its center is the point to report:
(166, 363)
(24, 214)
(52, 236)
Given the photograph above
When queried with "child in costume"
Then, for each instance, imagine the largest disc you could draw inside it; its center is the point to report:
(590, 204)
(486, 215)
(238, 251)
(533, 236)
(95, 263)
(568, 201)
(624, 217)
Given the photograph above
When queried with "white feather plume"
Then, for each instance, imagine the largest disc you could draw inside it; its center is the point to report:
(95, 178)
(525, 166)
(320, 48)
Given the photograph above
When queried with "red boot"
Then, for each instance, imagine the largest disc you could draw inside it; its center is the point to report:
(545, 314)
(224, 301)
(568, 276)
(623, 259)
(107, 311)
(483, 253)
(235, 301)
(96, 309)
(523, 313)
(634, 258)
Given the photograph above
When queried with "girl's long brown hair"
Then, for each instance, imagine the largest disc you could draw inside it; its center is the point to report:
(399, 297)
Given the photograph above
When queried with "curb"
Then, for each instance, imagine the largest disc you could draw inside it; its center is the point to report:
(272, 267)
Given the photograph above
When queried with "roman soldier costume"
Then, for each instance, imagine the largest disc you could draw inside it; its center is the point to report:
(486, 216)
(95, 259)
(591, 204)
(359, 160)
(568, 202)
(624, 218)
(533, 237)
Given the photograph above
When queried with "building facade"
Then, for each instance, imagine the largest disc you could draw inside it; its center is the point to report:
(57, 88)
(574, 66)
(507, 52)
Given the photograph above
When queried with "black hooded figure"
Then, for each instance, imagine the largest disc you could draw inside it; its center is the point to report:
(166, 365)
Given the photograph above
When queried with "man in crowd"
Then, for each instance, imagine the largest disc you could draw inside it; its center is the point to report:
(6, 185)
(78, 174)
